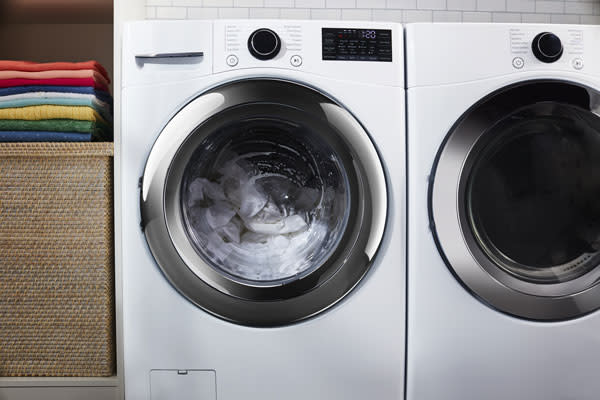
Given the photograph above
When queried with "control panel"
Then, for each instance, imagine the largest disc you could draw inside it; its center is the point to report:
(452, 53)
(287, 49)
(562, 47)
(357, 44)
(254, 44)
(356, 51)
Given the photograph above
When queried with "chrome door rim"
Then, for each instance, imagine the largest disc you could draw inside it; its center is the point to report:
(496, 287)
(198, 281)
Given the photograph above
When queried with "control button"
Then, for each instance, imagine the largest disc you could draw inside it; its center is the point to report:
(577, 63)
(264, 44)
(296, 61)
(232, 60)
(547, 47)
(518, 62)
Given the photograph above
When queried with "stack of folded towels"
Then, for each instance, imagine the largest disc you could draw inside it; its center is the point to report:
(54, 102)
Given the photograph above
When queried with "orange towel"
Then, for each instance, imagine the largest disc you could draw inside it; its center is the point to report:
(9, 65)
(64, 73)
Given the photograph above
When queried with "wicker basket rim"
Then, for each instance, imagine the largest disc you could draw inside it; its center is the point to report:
(56, 149)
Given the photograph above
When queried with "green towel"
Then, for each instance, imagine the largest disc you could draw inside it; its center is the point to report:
(96, 128)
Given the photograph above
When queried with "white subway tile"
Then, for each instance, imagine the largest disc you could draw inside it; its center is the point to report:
(590, 19)
(340, 3)
(248, 3)
(550, 7)
(491, 5)
(158, 2)
(326, 13)
(536, 18)
(402, 4)
(417, 16)
(529, 11)
(388, 15)
(357, 15)
(583, 8)
(506, 17)
(279, 3)
(233, 13)
(150, 12)
(310, 4)
(447, 16)
(564, 19)
(431, 4)
(171, 12)
(370, 3)
(522, 6)
(295, 13)
(217, 3)
(203, 13)
(462, 5)
(477, 17)
(264, 13)
(188, 3)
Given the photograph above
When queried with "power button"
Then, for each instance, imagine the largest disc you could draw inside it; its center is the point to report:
(518, 62)
(232, 60)
(296, 60)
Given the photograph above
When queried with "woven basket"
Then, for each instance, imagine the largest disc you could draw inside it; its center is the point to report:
(56, 260)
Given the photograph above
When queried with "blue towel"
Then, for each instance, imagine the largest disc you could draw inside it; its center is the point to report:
(100, 94)
(41, 136)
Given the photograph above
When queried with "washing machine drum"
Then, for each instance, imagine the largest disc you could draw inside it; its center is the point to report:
(264, 202)
(518, 179)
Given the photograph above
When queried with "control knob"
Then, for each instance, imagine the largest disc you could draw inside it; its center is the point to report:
(264, 44)
(547, 47)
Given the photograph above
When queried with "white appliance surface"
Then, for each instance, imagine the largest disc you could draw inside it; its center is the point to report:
(458, 346)
(354, 350)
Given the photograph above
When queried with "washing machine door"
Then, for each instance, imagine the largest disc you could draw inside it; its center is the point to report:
(264, 202)
(515, 200)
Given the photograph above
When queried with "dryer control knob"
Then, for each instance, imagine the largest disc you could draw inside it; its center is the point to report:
(547, 47)
(264, 44)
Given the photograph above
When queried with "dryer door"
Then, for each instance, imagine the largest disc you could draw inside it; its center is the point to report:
(264, 202)
(518, 180)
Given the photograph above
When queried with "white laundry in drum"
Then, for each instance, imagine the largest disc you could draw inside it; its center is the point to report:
(257, 225)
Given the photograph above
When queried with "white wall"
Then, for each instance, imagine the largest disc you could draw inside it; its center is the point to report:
(543, 11)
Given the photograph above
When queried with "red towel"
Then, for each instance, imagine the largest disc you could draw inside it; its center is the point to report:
(36, 67)
(4, 83)
(56, 73)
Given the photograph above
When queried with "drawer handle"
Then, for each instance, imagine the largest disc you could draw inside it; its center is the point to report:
(170, 55)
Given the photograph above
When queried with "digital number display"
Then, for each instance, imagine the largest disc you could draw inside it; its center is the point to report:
(357, 44)
(369, 34)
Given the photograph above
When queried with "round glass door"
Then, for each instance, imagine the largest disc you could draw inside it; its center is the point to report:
(526, 200)
(532, 194)
(264, 202)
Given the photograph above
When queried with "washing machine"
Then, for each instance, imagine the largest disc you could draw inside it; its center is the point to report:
(263, 184)
(504, 218)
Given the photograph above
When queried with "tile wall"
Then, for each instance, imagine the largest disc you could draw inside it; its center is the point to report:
(538, 11)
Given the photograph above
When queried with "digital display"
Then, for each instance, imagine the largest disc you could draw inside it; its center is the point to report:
(357, 44)
(368, 34)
